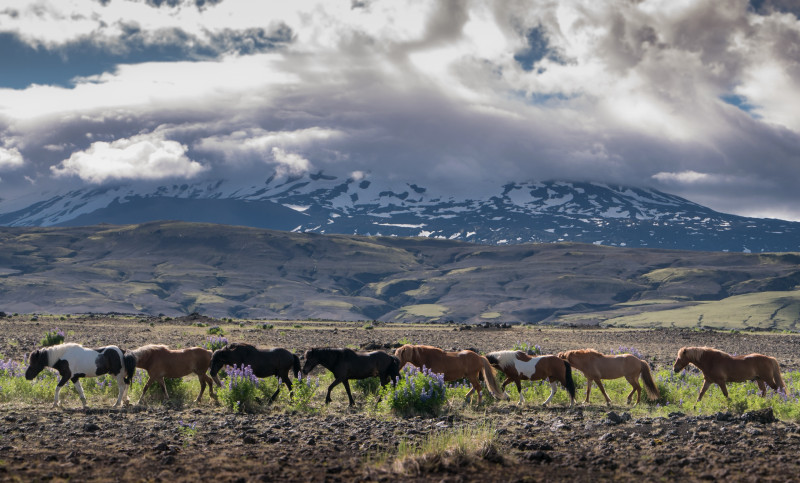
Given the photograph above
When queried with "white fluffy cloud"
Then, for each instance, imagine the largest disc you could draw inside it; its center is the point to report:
(692, 96)
(146, 156)
(10, 158)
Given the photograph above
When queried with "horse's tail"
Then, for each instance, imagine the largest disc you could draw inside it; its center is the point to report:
(129, 361)
(776, 374)
(295, 365)
(649, 383)
(569, 383)
(491, 382)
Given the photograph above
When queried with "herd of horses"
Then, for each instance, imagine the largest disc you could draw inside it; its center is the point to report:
(73, 362)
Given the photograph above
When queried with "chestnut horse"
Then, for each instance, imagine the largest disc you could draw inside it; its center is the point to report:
(454, 366)
(160, 362)
(596, 366)
(719, 367)
(517, 365)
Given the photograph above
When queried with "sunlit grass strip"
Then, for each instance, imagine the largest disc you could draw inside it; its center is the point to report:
(452, 448)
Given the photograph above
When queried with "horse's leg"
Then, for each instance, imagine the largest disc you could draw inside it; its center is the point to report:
(202, 380)
(79, 389)
(469, 395)
(210, 383)
(123, 388)
(706, 385)
(330, 388)
(277, 390)
(635, 387)
(553, 387)
(164, 385)
(599, 383)
(145, 388)
(346, 384)
(61, 383)
(519, 390)
(724, 388)
(588, 390)
(762, 387)
(476, 386)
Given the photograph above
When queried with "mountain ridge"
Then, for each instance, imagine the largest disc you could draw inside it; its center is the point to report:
(519, 212)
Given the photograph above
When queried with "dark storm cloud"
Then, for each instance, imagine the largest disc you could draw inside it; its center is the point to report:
(697, 98)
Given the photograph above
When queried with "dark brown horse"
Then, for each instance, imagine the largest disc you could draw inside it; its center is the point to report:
(160, 361)
(518, 366)
(454, 365)
(264, 362)
(346, 364)
(719, 368)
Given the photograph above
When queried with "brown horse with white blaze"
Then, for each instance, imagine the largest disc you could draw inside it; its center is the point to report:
(517, 365)
(454, 366)
(597, 366)
(720, 367)
(160, 361)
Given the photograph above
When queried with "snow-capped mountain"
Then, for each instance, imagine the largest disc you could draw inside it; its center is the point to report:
(513, 213)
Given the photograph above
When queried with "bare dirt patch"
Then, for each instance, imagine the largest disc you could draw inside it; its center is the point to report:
(147, 443)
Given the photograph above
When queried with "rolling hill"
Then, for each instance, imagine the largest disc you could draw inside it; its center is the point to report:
(176, 268)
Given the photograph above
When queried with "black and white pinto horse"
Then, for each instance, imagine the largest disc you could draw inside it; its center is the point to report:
(73, 361)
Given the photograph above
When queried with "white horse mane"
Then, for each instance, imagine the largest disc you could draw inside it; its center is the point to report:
(505, 358)
(55, 352)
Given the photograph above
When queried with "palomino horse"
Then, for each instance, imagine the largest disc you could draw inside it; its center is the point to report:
(719, 367)
(596, 366)
(160, 362)
(454, 366)
(346, 364)
(73, 361)
(517, 365)
(264, 362)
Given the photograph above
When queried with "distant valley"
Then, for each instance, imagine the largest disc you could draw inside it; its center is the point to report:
(176, 268)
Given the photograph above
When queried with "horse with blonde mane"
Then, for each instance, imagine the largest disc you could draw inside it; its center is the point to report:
(720, 367)
(597, 366)
(517, 365)
(454, 366)
(160, 361)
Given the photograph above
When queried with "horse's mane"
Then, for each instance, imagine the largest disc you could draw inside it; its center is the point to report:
(587, 352)
(505, 358)
(55, 352)
(695, 353)
(240, 345)
(143, 353)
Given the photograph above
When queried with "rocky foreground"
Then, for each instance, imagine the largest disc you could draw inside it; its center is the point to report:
(161, 443)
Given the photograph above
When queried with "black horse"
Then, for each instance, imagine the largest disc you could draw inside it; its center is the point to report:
(348, 364)
(264, 362)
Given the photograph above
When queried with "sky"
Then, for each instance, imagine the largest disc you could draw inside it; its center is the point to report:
(699, 98)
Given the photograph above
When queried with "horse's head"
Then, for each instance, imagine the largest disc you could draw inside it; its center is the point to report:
(683, 359)
(219, 358)
(311, 359)
(37, 361)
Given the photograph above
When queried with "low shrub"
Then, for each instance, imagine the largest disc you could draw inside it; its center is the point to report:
(530, 349)
(54, 337)
(239, 393)
(214, 343)
(216, 330)
(303, 389)
(417, 391)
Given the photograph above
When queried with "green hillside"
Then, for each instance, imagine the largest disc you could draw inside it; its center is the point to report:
(177, 268)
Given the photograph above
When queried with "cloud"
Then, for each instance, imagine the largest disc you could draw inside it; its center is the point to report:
(10, 158)
(291, 162)
(698, 97)
(145, 157)
(684, 177)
